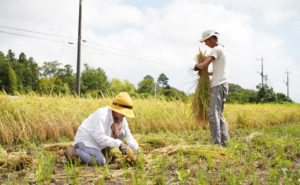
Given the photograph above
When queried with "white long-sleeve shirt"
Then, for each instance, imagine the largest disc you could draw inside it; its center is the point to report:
(95, 131)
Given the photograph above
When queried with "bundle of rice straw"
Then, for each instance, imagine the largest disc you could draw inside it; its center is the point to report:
(200, 103)
(120, 159)
(20, 160)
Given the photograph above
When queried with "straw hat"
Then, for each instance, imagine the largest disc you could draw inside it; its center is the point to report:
(209, 33)
(122, 104)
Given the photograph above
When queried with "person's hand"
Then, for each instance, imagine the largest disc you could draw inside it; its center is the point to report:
(124, 149)
(116, 130)
(196, 68)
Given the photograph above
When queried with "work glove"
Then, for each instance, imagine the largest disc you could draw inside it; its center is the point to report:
(124, 149)
(197, 69)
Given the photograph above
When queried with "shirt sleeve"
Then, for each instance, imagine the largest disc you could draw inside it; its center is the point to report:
(99, 133)
(129, 138)
(214, 53)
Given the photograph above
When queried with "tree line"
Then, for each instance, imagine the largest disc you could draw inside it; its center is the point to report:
(22, 74)
(264, 94)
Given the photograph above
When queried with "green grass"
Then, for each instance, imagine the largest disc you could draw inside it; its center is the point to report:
(180, 157)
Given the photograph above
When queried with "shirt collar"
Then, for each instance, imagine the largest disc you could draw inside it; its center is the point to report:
(111, 119)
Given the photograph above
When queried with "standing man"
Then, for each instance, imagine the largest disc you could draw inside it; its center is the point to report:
(219, 86)
(104, 129)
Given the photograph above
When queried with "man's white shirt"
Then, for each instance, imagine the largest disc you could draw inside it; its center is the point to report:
(95, 131)
(219, 66)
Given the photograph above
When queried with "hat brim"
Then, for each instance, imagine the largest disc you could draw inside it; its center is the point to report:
(125, 111)
(202, 40)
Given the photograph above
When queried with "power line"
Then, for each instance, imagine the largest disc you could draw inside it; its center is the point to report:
(124, 50)
(134, 57)
(30, 31)
(29, 36)
(92, 42)
(111, 49)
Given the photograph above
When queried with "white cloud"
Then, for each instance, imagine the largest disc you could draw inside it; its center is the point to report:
(271, 11)
(110, 14)
(128, 43)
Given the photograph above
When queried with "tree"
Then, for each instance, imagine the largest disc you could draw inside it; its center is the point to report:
(282, 98)
(11, 56)
(8, 77)
(50, 69)
(149, 77)
(94, 79)
(129, 87)
(146, 86)
(116, 86)
(34, 68)
(67, 76)
(27, 71)
(162, 80)
(22, 58)
(51, 85)
(265, 94)
(12, 81)
(4, 80)
(2, 56)
(171, 93)
(237, 94)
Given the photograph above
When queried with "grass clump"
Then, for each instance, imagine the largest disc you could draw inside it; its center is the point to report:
(200, 103)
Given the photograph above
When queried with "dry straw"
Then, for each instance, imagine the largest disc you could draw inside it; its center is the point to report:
(30, 117)
(200, 103)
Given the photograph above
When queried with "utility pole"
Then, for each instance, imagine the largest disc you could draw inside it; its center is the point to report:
(287, 83)
(262, 71)
(78, 52)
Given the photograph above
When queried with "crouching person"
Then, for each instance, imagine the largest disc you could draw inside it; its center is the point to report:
(103, 130)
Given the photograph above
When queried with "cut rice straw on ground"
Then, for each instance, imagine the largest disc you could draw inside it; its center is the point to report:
(201, 151)
(200, 102)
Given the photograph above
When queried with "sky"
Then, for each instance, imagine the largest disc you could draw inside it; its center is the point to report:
(130, 39)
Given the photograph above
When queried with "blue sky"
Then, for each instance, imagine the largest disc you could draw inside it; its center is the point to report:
(131, 38)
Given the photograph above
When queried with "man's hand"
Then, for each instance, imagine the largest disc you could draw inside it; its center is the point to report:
(200, 66)
(196, 68)
(204, 65)
(116, 130)
(124, 149)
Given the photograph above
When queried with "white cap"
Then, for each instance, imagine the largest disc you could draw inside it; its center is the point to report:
(207, 34)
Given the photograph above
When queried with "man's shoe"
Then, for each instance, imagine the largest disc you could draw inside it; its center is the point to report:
(70, 153)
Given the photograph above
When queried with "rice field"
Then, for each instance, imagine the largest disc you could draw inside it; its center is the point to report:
(30, 117)
(264, 149)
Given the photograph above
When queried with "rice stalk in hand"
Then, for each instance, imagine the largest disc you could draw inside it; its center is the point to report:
(200, 102)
